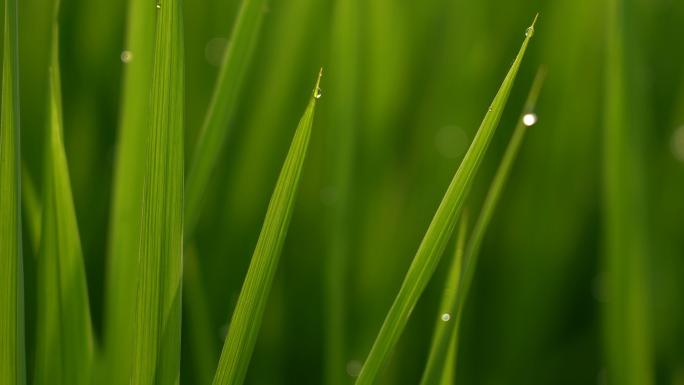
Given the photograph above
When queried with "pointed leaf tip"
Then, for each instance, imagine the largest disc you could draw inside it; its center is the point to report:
(317, 89)
(529, 32)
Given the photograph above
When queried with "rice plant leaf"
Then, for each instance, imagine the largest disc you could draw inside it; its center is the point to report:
(12, 353)
(449, 372)
(216, 126)
(446, 335)
(65, 349)
(157, 319)
(341, 123)
(122, 264)
(628, 346)
(431, 248)
(446, 309)
(248, 313)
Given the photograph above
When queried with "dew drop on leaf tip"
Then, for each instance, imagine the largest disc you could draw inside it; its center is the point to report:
(529, 32)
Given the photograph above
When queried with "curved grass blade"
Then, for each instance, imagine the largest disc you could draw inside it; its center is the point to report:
(248, 313)
(122, 263)
(446, 335)
(431, 248)
(12, 352)
(628, 350)
(340, 138)
(215, 128)
(65, 350)
(156, 330)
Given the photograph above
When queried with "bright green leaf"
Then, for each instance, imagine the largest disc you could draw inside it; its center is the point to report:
(65, 350)
(157, 318)
(440, 360)
(12, 359)
(122, 264)
(432, 247)
(249, 311)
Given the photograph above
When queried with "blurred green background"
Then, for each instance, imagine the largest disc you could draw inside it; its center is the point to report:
(422, 74)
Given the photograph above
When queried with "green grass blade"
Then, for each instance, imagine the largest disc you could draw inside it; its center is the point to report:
(248, 313)
(340, 136)
(446, 315)
(156, 334)
(32, 209)
(449, 372)
(495, 189)
(122, 263)
(223, 103)
(431, 248)
(201, 334)
(65, 338)
(438, 363)
(626, 325)
(12, 352)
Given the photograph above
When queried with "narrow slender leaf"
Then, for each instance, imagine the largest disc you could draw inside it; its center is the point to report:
(626, 325)
(122, 264)
(446, 310)
(249, 311)
(222, 106)
(340, 136)
(12, 354)
(446, 336)
(65, 339)
(156, 334)
(431, 248)
(449, 372)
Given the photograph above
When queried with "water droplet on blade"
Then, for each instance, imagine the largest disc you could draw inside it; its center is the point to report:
(126, 56)
(158, 6)
(530, 119)
(446, 317)
(318, 93)
(529, 32)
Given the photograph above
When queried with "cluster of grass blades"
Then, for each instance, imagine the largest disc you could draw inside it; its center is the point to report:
(129, 178)
(442, 357)
(438, 233)
(65, 348)
(155, 210)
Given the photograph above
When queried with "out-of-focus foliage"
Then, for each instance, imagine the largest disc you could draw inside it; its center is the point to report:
(418, 79)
